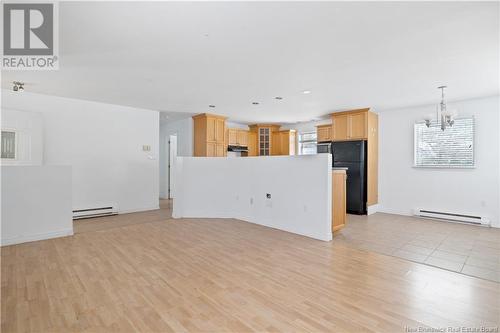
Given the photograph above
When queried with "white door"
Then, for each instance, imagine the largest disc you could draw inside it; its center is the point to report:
(172, 154)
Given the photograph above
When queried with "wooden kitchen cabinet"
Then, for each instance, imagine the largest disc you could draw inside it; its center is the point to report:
(252, 144)
(276, 146)
(372, 163)
(350, 126)
(211, 149)
(232, 137)
(283, 142)
(264, 133)
(357, 126)
(338, 199)
(324, 133)
(237, 137)
(209, 135)
(340, 127)
(242, 138)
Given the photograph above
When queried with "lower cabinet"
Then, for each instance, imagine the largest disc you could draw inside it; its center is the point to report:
(338, 199)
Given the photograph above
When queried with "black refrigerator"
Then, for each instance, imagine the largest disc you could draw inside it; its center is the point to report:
(352, 155)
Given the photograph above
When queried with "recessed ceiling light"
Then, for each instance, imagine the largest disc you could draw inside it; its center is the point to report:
(278, 97)
(211, 106)
(306, 92)
(255, 103)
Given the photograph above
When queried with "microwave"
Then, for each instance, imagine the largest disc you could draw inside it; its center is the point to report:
(324, 148)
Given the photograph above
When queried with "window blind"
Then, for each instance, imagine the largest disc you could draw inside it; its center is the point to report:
(451, 148)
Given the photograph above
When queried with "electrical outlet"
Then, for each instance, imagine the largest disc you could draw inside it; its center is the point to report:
(146, 148)
(251, 201)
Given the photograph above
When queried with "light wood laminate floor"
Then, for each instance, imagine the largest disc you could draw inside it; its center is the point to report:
(118, 221)
(215, 275)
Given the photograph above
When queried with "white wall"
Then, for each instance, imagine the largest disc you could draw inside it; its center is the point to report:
(29, 136)
(103, 144)
(300, 188)
(36, 203)
(309, 126)
(403, 188)
(184, 130)
(185, 144)
(232, 124)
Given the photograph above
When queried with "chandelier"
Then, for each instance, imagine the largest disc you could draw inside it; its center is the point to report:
(445, 117)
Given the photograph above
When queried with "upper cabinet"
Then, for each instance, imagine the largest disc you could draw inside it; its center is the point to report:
(324, 133)
(243, 138)
(232, 136)
(340, 127)
(209, 135)
(350, 125)
(264, 134)
(237, 137)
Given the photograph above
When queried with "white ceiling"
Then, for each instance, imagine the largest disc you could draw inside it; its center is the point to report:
(183, 56)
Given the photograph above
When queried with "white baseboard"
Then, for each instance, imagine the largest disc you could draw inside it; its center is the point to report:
(395, 211)
(36, 237)
(372, 209)
(137, 210)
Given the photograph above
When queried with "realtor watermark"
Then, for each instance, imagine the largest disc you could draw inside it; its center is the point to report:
(451, 329)
(30, 36)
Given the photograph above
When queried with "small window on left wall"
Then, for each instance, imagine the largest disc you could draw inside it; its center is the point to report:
(8, 144)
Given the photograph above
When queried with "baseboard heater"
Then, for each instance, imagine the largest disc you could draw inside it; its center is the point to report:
(88, 213)
(452, 217)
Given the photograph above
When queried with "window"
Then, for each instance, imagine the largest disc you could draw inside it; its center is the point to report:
(451, 148)
(9, 144)
(307, 143)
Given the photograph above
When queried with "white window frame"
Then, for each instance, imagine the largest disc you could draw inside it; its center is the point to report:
(446, 166)
(306, 141)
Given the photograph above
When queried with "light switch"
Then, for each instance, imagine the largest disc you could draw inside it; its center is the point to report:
(146, 148)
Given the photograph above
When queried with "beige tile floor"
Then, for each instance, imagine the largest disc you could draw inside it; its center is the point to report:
(467, 249)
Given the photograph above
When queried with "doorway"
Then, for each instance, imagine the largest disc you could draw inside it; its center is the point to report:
(172, 154)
